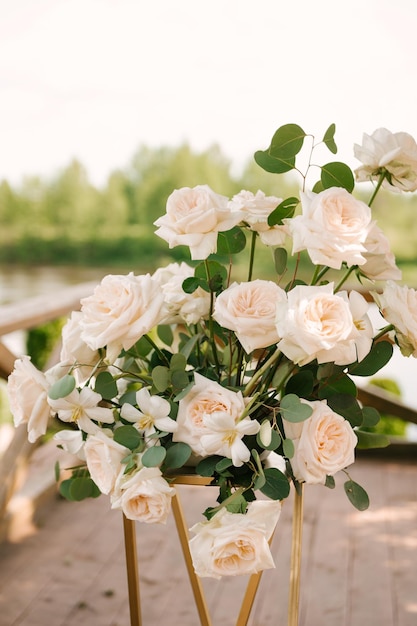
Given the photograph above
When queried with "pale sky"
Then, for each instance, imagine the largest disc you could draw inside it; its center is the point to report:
(95, 79)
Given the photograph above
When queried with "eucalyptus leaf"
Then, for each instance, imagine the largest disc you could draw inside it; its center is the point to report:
(207, 466)
(368, 440)
(370, 417)
(380, 354)
(328, 138)
(357, 495)
(347, 406)
(287, 141)
(177, 455)
(330, 482)
(274, 443)
(178, 362)
(106, 386)
(288, 448)
(337, 175)
(231, 241)
(293, 410)
(62, 387)
(285, 209)
(192, 283)
(223, 465)
(161, 377)
(338, 384)
(128, 436)
(165, 334)
(280, 260)
(272, 164)
(276, 486)
(153, 457)
(179, 379)
(301, 383)
(81, 488)
(237, 504)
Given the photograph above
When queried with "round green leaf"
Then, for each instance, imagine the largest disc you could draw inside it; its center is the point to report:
(177, 455)
(328, 138)
(276, 484)
(106, 386)
(160, 377)
(273, 165)
(275, 441)
(153, 457)
(379, 356)
(81, 488)
(370, 417)
(280, 260)
(178, 362)
(337, 175)
(62, 387)
(231, 241)
(127, 436)
(293, 410)
(165, 334)
(207, 467)
(288, 448)
(357, 495)
(347, 406)
(367, 440)
(287, 141)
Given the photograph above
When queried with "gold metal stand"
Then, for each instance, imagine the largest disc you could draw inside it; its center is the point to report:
(295, 568)
(201, 604)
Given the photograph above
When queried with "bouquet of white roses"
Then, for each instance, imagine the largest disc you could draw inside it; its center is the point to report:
(247, 381)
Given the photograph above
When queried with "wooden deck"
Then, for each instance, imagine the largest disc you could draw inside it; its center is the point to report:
(359, 568)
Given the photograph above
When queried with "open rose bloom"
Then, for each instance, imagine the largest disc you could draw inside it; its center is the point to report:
(238, 365)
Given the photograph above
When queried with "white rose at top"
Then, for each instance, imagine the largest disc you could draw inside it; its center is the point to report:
(121, 310)
(249, 309)
(398, 306)
(315, 323)
(396, 153)
(194, 217)
(256, 208)
(333, 227)
(182, 307)
(230, 544)
(324, 444)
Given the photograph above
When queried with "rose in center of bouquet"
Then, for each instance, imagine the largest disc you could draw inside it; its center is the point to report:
(247, 380)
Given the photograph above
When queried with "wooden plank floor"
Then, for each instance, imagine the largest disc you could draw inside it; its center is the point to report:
(358, 569)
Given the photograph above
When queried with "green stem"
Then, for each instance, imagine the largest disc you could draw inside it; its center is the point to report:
(384, 331)
(319, 273)
(344, 278)
(381, 179)
(252, 255)
(157, 349)
(253, 381)
(210, 320)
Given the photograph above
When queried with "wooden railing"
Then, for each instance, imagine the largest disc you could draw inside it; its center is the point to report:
(33, 312)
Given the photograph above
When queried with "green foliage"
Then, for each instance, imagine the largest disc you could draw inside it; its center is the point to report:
(41, 341)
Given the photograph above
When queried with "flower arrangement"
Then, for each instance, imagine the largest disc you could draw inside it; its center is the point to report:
(246, 381)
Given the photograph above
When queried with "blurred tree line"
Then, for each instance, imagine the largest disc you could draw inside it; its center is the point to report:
(67, 220)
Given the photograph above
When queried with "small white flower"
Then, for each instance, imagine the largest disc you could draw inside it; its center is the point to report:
(153, 413)
(225, 437)
(82, 408)
(71, 441)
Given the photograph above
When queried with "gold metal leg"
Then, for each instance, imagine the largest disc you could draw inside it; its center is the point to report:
(196, 585)
(248, 599)
(295, 571)
(132, 571)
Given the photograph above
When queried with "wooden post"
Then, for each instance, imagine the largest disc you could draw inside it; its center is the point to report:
(132, 571)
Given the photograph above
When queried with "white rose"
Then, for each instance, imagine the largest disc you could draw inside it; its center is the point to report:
(231, 544)
(395, 153)
(332, 228)
(256, 209)
(398, 305)
(181, 307)
(206, 398)
(194, 217)
(380, 261)
(144, 496)
(324, 444)
(121, 310)
(27, 390)
(249, 309)
(104, 456)
(315, 323)
(75, 351)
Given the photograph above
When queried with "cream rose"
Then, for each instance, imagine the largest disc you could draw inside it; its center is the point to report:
(333, 228)
(121, 310)
(394, 153)
(144, 496)
(256, 208)
(27, 391)
(206, 399)
(324, 444)
(380, 261)
(398, 305)
(231, 544)
(182, 307)
(104, 456)
(194, 217)
(249, 309)
(315, 323)
(75, 352)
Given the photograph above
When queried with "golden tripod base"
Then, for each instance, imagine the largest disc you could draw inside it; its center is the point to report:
(197, 588)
